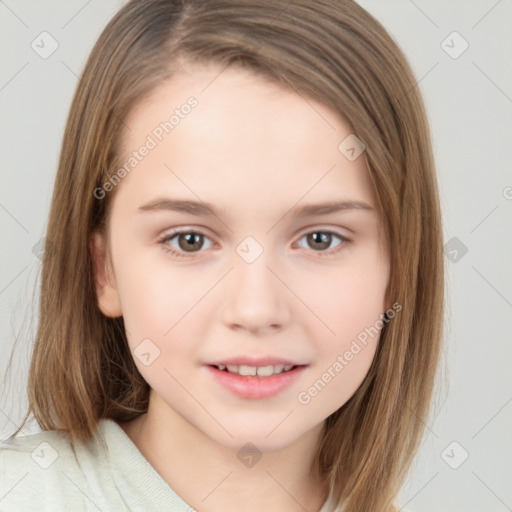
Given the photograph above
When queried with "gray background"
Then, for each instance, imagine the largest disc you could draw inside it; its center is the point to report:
(466, 456)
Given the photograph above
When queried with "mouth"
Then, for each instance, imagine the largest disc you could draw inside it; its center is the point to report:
(255, 371)
(255, 382)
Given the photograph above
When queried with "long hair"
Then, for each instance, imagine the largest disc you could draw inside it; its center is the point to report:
(332, 51)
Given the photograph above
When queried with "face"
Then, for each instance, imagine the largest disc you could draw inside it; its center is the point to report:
(246, 274)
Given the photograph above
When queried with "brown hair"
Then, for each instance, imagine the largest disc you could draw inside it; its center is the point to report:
(329, 50)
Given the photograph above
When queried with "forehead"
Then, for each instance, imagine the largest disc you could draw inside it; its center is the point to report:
(235, 97)
(244, 135)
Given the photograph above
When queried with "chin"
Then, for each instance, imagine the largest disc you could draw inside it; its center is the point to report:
(267, 437)
(253, 441)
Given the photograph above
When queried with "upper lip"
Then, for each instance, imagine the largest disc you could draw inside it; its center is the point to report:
(255, 361)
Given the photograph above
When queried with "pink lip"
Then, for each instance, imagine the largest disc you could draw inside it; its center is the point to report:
(255, 361)
(255, 387)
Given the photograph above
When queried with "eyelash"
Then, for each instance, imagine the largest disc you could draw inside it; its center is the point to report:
(169, 236)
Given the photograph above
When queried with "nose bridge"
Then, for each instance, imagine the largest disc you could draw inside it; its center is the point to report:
(252, 274)
(256, 297)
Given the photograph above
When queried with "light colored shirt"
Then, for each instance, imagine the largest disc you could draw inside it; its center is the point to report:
(39, 472)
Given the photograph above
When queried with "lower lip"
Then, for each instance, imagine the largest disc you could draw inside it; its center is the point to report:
(254, 387)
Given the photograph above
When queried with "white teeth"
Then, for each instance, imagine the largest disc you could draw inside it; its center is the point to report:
(247, 370)
(265, 371)
(261, 371)
(278, 368)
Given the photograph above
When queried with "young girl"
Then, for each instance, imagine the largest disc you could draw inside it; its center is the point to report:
(242, 284)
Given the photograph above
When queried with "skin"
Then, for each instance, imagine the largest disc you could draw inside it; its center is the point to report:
(256, 151)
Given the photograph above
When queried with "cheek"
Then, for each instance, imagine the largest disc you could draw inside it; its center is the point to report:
(160, 309)
(155, 296)
(345, 357)
(347, 301)
(350, 304)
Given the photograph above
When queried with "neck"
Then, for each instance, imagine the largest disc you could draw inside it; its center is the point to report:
(212, 478)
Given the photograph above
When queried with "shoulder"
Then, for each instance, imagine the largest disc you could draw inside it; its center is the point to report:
(44, 471)
(41, 449)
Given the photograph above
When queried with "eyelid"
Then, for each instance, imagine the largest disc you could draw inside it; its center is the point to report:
(304, 231)
(314, 228)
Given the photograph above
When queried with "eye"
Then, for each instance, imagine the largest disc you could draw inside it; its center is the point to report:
(320, 240)
(188, 242)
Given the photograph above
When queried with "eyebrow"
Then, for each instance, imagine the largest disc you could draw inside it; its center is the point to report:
(200, 208)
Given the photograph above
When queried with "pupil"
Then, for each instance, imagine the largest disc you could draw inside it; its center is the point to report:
(190, 242)
(324, 239)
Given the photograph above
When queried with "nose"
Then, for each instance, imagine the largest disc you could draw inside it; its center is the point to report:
(256, 299)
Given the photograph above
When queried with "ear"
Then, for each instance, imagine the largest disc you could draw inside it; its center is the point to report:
(106, 291)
